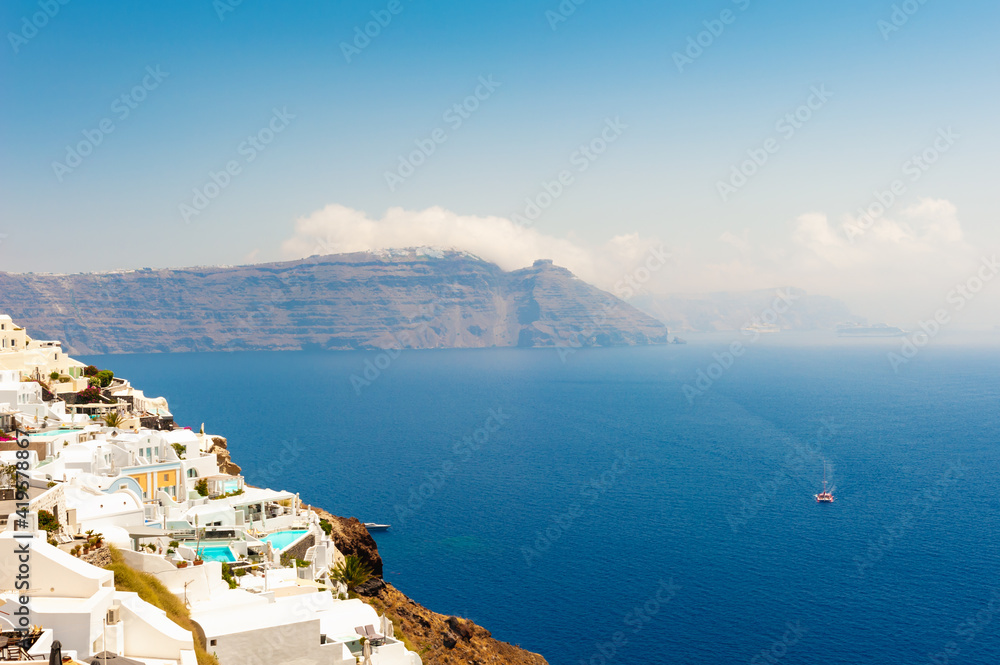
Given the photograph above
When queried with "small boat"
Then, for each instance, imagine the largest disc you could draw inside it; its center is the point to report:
(372, 526)
(825, 496)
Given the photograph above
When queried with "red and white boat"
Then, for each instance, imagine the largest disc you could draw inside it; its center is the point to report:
(824, 496)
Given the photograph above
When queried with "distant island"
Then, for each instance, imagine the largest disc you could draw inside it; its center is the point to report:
(411, 298)
(874, 330)
(741, 310)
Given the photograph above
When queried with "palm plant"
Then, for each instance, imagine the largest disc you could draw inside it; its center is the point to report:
(113, 419)
(8, 475)
(352, 571)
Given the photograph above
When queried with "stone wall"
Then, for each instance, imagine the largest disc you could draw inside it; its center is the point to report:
(298, 550)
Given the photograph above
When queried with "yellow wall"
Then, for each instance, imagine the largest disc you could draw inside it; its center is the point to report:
(161, 478)
(166, 478)
(141, 479)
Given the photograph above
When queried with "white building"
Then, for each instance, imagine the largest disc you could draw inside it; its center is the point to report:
(33, 358)
(309, 628)
(79, 604)
(18, 393)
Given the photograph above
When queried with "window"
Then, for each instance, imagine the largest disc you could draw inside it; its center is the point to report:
(212, 643)
(166, 476)
(123, 486)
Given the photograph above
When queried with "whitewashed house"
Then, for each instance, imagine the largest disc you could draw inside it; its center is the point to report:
(79, 604)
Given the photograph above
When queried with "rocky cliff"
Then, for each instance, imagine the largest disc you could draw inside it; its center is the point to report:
(438, 638)
(404, 298)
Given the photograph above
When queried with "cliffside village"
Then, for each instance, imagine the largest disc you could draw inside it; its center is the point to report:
(203, 568)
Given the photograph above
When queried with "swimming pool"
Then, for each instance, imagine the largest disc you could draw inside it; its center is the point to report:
(282, 539)
(214, 552)
(58, 432)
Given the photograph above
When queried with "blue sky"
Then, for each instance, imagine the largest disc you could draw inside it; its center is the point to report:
(890, 94)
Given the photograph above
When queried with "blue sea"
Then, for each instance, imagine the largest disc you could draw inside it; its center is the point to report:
(591, 508)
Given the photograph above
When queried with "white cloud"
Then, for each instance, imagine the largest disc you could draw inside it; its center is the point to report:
(898, 271)
(338, 229)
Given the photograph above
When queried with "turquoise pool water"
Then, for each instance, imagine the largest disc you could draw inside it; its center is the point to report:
(282, 539)
(55, 433)
(215, 553)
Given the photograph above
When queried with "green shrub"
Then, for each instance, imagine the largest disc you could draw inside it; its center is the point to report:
(89, 395)
(326, 526)
(227, 574)
(201, 487)
(47, 521)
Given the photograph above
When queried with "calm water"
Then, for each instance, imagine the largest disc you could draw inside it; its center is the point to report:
(606, 502)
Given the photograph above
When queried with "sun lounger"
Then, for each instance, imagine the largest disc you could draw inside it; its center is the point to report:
(376, 638)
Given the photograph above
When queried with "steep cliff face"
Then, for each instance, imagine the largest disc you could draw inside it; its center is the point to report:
(399, 299)
(351, 537)
(440, 639)
(220, 448)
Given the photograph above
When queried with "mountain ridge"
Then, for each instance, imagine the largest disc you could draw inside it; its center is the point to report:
(411, 298)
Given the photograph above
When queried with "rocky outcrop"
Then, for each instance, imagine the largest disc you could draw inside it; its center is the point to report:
(438, 638)
(100, 557)
(398, 299)
(351, 537)
(446, 640)
(220, 448)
